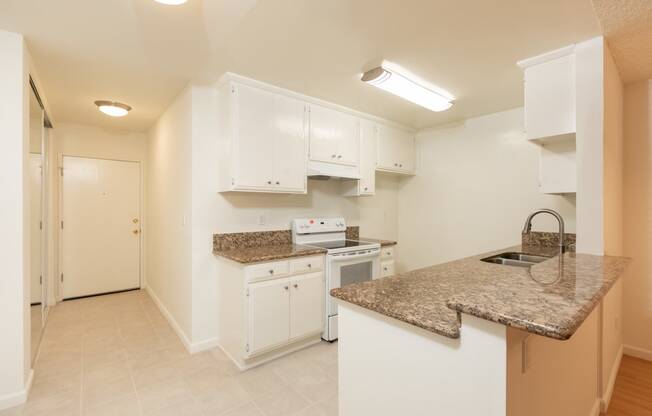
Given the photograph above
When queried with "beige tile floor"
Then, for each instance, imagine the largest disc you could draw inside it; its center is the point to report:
(117, 355)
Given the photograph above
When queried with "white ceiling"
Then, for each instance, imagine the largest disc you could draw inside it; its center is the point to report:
(627, 25)
(143, 53)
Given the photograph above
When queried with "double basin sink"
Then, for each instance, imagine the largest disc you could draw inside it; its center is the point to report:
(515, 259)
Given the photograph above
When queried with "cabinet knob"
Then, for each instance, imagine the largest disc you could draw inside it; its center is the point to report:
(339, 156)
(333, 156)
(271, 272)
(366, 189)
(395, 164)
(309, 265)
(296, 286)
(269, 182)
(286, 287)
(400, 165)
(385, 268)
(278, 182)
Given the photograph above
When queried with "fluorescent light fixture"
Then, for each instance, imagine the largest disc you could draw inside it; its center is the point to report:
(113, 108)
(391, 78)
(171, 2)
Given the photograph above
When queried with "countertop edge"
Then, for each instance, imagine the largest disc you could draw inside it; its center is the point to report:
(455, 334)
(265, 258)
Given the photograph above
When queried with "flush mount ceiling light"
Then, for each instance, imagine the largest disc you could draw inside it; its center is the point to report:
(171, 2)
(391, 78)
(113, 108)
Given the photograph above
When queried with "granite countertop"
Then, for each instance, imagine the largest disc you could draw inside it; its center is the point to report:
(552, 298)
(383, 243)
(268, 253)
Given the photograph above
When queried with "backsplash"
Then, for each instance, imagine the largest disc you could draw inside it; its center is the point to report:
(547, 239)
(228, 241)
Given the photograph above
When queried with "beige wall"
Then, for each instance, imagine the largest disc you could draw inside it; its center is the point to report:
(613, 231)
(638, 220)
(476, 183)
(14, 214)
(168, 213)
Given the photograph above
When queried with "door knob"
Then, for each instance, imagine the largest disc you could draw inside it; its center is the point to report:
(135, 231)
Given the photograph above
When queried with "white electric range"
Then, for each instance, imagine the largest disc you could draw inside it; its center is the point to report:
(347, 261)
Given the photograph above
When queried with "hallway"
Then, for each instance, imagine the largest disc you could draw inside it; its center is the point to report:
(116, 354)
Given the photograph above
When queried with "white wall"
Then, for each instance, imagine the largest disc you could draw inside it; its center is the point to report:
(476, 183)
(168, 230)
(638, 219)
(14, 214)
(68, 139)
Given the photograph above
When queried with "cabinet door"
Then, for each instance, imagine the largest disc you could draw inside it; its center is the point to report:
(333, 136)
(254, 120)
(395, 150)
(368, 153)
(550, 98)
(290, 156)
(306, 304)
(269, 314)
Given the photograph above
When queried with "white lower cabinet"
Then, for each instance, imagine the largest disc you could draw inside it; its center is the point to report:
(306, 293)
(269, 309)
(387, 261)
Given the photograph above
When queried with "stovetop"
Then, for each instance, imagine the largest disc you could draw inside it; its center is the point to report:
(342, 244)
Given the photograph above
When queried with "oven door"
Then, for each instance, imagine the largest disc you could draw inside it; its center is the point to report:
(347, 268)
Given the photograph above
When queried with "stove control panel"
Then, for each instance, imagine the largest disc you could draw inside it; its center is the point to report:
(318, 225)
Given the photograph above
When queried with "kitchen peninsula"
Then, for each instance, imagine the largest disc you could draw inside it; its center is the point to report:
(470, 337)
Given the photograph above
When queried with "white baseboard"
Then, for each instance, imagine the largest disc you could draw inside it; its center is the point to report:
(173, 323)
(208, 344)
(19, 397)
(192, 348)
(606, 398)
(641, 353)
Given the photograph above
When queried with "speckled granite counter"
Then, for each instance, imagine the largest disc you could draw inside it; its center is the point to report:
(551, 298)
(383, 243)
(268, 253)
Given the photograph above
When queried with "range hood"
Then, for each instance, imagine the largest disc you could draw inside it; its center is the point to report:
(325, 170)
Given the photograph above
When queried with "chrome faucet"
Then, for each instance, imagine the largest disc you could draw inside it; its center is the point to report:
(528, 225)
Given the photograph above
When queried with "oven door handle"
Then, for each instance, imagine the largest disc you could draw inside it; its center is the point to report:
(338, 258)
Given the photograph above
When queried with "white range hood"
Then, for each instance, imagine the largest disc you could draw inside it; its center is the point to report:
(325, 170)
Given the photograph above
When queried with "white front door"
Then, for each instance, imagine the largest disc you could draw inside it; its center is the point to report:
(101, 226)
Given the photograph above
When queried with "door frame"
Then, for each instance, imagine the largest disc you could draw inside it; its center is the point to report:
(141, 210)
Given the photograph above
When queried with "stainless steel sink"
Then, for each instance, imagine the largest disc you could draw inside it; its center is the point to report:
(515, 259)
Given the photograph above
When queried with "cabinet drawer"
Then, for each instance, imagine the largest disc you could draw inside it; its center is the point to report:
(387, 268)
(387, 253)
(306, 265)
(267, 270)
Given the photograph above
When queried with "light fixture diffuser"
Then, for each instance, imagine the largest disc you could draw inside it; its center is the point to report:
(387, 78)
(113, 108)
(171, 2)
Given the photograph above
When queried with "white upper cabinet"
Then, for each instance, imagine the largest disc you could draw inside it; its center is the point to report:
(265, 136)
(366, 186)
(396, 151)
(333, 136)
(549, 97)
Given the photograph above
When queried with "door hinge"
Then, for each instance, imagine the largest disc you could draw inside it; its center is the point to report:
(40, 280)
(40, 225)
(247, 292)
(232, 181)
(61, 171)
(233, 89)
(62, 225)
(247, 348)
(62, 277)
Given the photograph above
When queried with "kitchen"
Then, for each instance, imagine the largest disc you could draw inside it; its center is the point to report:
(263, 187)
